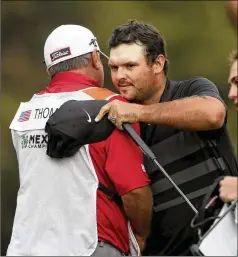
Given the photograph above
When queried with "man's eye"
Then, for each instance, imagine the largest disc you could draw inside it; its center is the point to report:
(113, 67)
(130, 65)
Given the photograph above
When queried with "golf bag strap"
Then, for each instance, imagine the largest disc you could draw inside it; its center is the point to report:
(104, 94)
(111, 195)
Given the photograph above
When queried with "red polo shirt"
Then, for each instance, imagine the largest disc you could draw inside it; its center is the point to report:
(117, 162)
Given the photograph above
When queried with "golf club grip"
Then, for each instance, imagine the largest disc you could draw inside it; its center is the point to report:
(128, 128)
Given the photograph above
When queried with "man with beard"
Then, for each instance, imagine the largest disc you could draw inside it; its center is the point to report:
(183, 122)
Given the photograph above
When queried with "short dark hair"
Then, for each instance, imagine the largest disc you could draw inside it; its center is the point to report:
(150, 37)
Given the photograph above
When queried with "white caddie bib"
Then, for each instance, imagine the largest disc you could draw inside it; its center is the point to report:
(56, 202)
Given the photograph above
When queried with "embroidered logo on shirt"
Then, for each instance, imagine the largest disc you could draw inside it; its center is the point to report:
(25, 115)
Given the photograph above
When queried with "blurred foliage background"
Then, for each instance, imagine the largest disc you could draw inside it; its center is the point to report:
(199, 39)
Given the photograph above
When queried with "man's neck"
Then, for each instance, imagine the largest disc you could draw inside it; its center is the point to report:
(155, 98)
(87, 72)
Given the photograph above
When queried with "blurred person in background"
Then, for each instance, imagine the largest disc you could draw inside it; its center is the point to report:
(229, 185)
(183, 122)
(233, 79)
(59, 209)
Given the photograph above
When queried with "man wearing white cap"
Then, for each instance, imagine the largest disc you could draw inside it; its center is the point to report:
(60, 210)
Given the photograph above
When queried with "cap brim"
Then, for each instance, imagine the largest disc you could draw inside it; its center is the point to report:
(73, 125)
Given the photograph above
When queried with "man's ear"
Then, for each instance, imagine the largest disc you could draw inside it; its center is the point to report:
(47, 72)
(96, 61)
(159, 64)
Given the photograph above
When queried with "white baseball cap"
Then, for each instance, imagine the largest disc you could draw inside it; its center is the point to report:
(66, 42)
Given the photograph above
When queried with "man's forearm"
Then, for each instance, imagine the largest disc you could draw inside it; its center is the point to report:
(195, 113)
(138, 208)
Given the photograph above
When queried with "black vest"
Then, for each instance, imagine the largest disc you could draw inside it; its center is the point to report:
(191, 158)
(194, 160)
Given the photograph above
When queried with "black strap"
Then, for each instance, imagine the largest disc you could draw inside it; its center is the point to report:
(211, 205)
(111, 195)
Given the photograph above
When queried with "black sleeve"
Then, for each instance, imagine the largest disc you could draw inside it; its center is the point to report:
(203, 87)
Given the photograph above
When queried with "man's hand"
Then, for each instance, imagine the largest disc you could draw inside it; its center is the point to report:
(141, 243)
(120, 112)
(228, 189)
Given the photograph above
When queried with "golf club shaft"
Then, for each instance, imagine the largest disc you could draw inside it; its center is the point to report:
(146, 150)
(176, 187)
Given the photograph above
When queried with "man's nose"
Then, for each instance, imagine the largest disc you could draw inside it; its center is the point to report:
(233, 92)
(121, 73)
